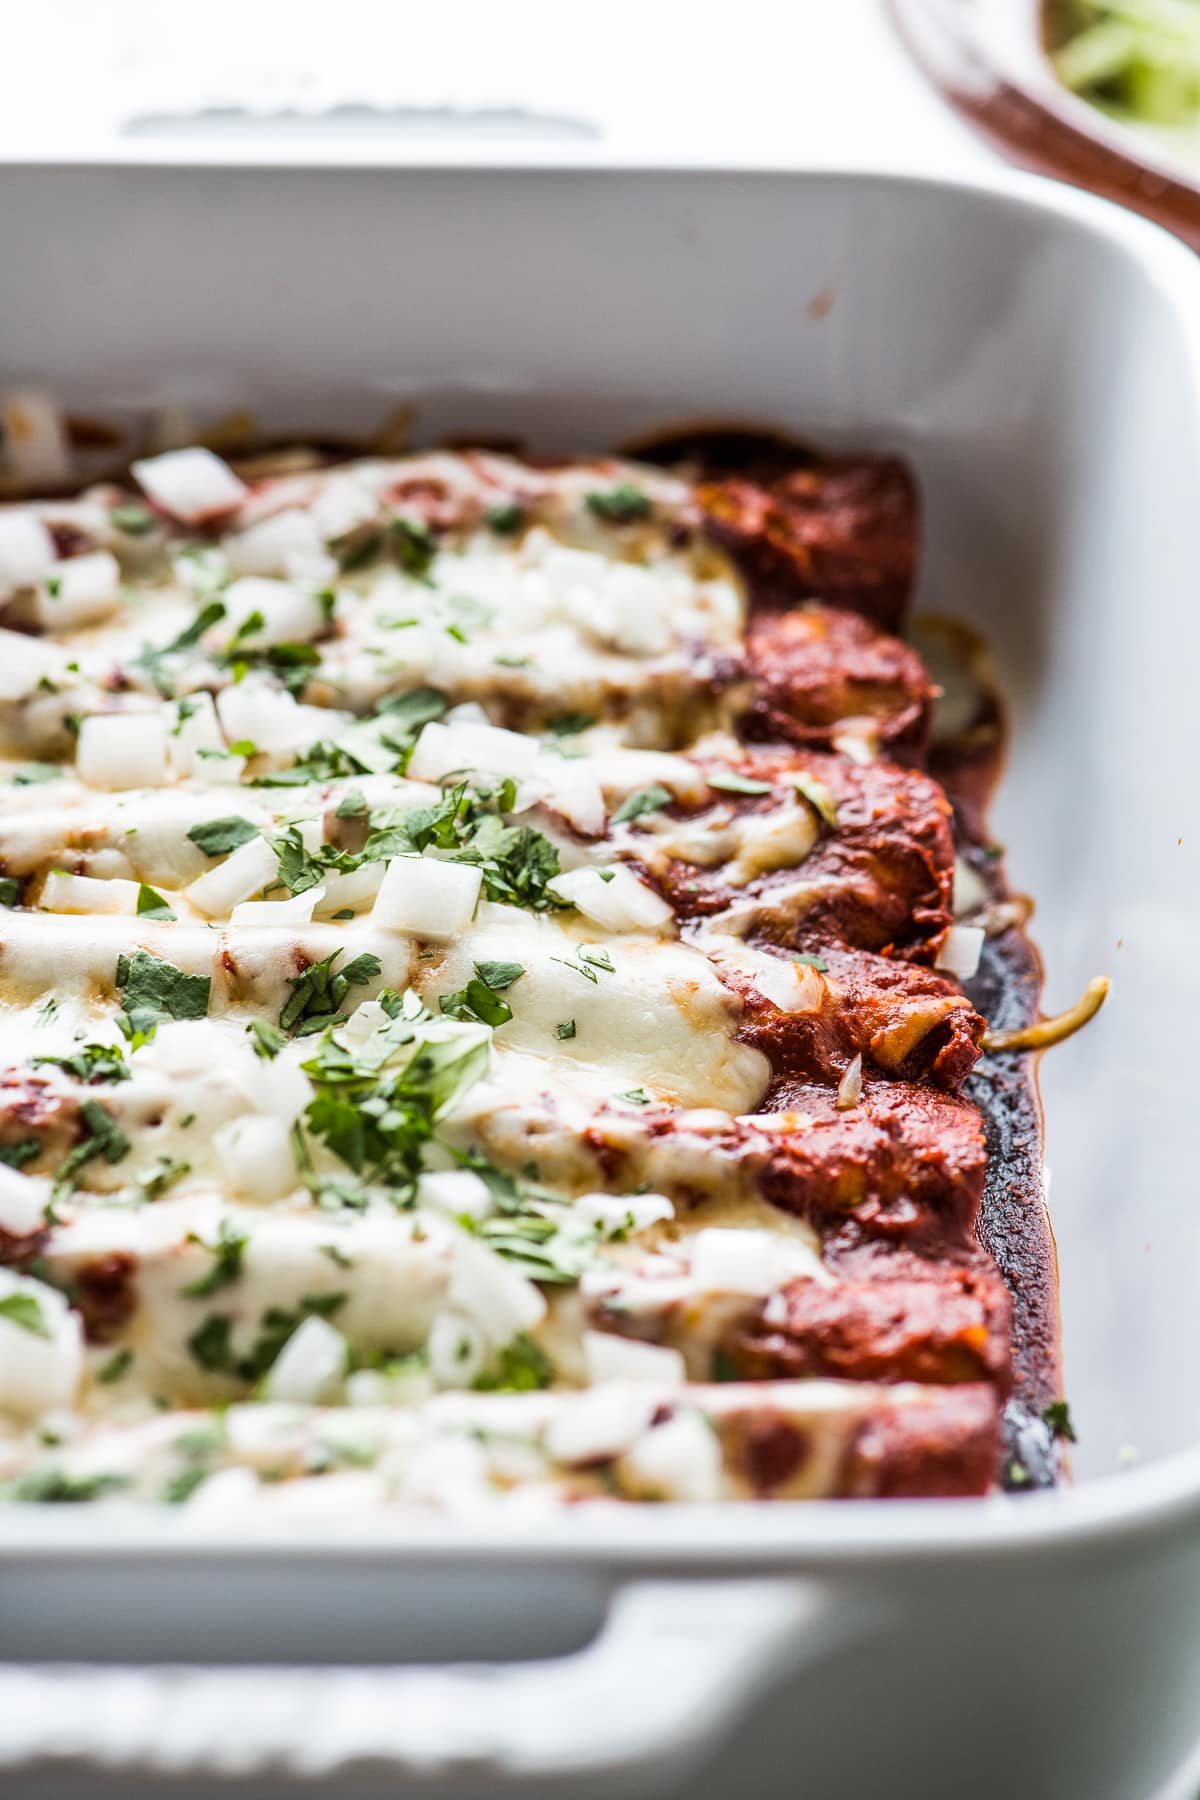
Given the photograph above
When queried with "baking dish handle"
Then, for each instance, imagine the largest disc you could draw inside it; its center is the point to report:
(672, 1670)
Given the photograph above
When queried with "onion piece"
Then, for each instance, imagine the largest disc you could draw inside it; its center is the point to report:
(41, 1359)
(22, 1198)
(457, 1192)
(615, 899)
(678, 1460)
(736, 1260)
(311, 1365)
(426, 898)
(192, 485)
(288, 614)
(63, 893)
(611, 1358)
(959, 953)
(353, 892)
(457, 1352)
(490, 1291)
(296, 911)
(850, 1087)
(195, 729)
(255, 1154)
(122, 750)
(271, 720)
(27, 551)
(25, 662)
(448, 749)
(287, 543)
(245, 872)
(601, 1422)
(79, 591)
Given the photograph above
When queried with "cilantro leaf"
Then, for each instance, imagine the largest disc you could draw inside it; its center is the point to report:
(318, 993)
(621, 505)
(477, 1001)
(647, 799)
(499, 975)
(818, 797)
(10, 890)
(298, 870)
(730, 782)
(413, 545)
(25, 1311)
(505, 520)
(520, 1367)
(153, 989)
(226, 1264)
(1057, 1416)
(151, 905)
(217, 837)
(105, 1138)
(266, 1040)
(94, 1063)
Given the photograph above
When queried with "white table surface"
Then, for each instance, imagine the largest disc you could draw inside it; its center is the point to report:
(786, 82)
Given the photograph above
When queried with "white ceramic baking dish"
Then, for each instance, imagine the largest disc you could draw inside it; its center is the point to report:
(1037, 355)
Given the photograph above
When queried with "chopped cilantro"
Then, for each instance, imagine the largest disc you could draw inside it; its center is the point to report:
(105, 1138)
(818, 797)
(412, 544)
(352, 805)
(1057, 1416)
(210, 1344)
(520, 1367)
(217, 837)
(132, 518)
(115, 1367)
(499, 975)
(637, 1095)
(317, 995)
(94, 1063)
(813, 962)
(153, 989)
(598, 956)
(151, 905)
(565, 1029)
(10, 890)
(44, 1487)
(182, 1486)
(357, 548)
(226, 1264)
(477, 1001)
(298, 869)
(266, 1040)
(161, 1175)
(31, 774)
(151, 657)
(25, 1311)
(730, 782)
(571, 724)
(646, 800)
(505, 520)
(23, 1151)
(621, 505)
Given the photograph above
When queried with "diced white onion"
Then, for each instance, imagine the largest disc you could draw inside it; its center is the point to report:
(619, 1213)
(22, 1198)
(732, 1260)
(611, 1358)
(122, 750)
(491, 1292)
(288, 543)
(574, 792)
(191, 485)
(352, 892)
(244, 872)
(850, 1087)
(63, 893)
(27, 551)
(79, 590)
(255, 1154)
(310, 1366)
(679, 1460)
(426, 898)
(457, 1192)
(24, 662)
(959, 954)
(457, 1352)
(792, 986)
(622, 903)
(445, 749)
(193, 1047)
(39, 1369)
(289, 614)
(194, 729)
(272, 720)
(342, 503)
(601, 1422)
(296, 911)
